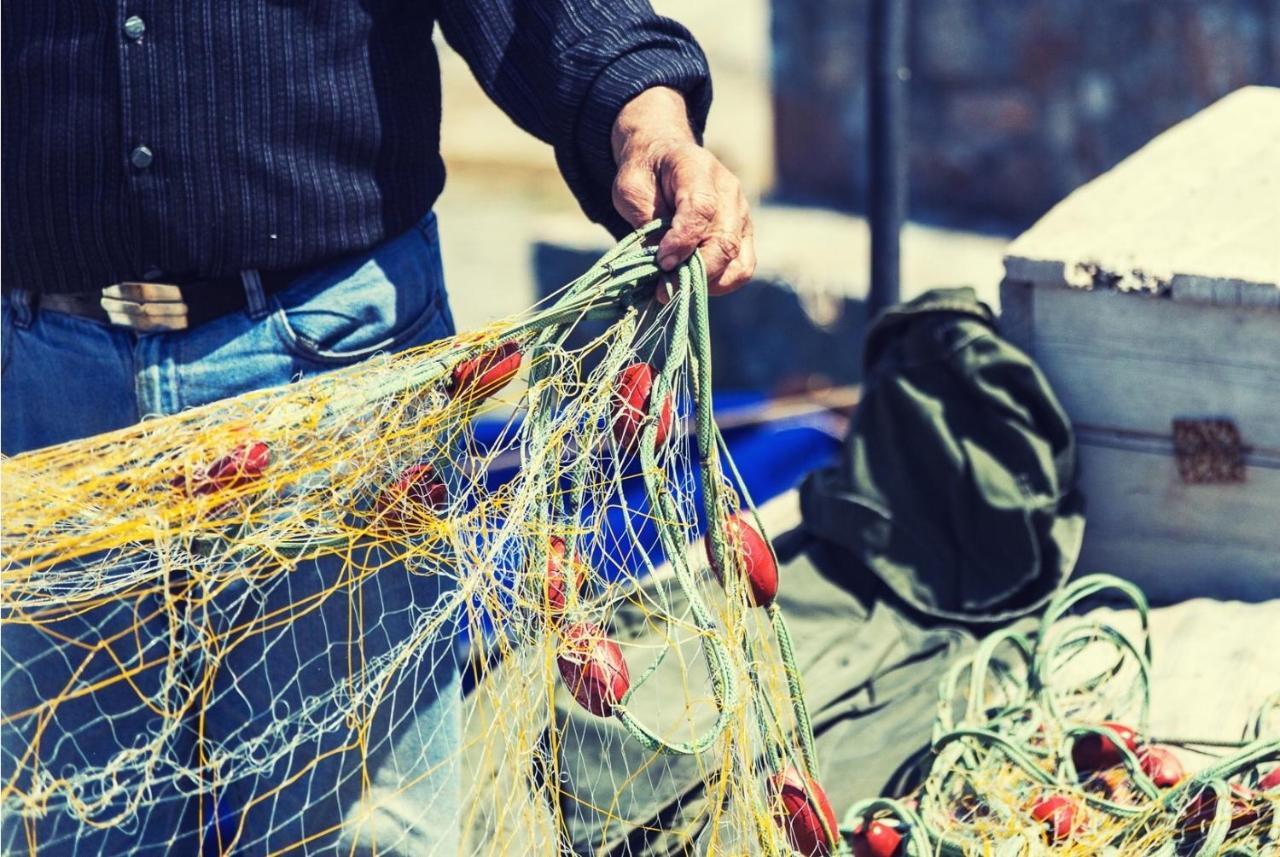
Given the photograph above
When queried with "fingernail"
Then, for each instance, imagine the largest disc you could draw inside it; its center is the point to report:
(667, 262)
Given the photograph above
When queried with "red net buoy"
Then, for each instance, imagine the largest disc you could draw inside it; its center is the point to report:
(557, 583)
(482, 376)
(1197, 816)
(1161, 766)
(243, 465)
(755, 561)
(631, 407)
(1060, 816)
(592, 667)
(1093, 752)
(1271, 780)
(804, 808)
(414, 495)
(877, 837)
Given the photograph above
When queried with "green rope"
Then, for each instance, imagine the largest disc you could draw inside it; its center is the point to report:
(1029, 723)
(618, 277)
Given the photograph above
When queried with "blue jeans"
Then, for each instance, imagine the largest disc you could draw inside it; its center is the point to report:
(65, 377)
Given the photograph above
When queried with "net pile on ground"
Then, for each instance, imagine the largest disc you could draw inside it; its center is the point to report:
(1033, 754)
(230, 625)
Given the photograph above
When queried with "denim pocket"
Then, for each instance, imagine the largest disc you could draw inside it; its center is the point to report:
(383, 300)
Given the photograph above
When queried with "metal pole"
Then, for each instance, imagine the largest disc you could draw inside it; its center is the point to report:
(887, 105)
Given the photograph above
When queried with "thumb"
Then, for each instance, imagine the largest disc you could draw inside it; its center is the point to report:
(635, 193)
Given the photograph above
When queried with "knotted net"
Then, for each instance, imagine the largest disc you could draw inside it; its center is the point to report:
(1042, 747)
(243, 628)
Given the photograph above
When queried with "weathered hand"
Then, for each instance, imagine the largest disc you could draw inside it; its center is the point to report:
(663, 172)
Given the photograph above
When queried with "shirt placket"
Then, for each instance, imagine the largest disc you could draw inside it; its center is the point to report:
(137, 144)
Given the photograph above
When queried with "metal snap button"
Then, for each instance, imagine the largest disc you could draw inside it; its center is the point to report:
(134, 27)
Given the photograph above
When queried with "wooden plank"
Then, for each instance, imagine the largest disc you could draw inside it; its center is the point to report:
(1176, 540)
(1135, 365)
(1194, 214)
(1017, 313)
(1169, 572)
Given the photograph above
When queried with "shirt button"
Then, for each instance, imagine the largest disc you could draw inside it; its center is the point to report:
(134, 27)
(141, 157)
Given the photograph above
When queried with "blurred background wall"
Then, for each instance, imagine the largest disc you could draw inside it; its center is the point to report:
(1013, 102)
(504, 198)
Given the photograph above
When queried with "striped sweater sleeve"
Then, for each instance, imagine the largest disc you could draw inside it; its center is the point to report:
(562, 69)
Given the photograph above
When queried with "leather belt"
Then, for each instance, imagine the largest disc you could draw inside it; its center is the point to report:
(156, 307)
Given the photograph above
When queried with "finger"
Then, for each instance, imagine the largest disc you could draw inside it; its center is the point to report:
(696, 205)
(635, 194)
(740, 271)
(721, 247)
(718, 250)
(666, 288)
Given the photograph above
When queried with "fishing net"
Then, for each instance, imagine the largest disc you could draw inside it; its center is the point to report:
(246, 628)
(1032, 756)
(243, 628)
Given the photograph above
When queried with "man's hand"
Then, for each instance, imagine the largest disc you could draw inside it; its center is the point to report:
(663, 172)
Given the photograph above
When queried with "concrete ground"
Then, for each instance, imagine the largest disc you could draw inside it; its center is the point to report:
(822, 255)
(1212, 667)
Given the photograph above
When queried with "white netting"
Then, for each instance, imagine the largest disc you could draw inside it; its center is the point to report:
(244, 627)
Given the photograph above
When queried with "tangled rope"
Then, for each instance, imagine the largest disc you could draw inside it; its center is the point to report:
(1029, 758)
(355, 520)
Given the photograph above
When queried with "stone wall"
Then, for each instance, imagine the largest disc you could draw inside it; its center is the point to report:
(1013, 102)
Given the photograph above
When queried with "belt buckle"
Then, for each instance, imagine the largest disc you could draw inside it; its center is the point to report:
(147, 307)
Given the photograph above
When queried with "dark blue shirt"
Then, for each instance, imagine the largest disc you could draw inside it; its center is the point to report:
(176, 139)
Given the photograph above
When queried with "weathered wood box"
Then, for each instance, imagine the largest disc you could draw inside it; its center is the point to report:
(1150, 297)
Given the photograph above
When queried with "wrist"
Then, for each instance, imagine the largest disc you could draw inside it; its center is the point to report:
(655, 117)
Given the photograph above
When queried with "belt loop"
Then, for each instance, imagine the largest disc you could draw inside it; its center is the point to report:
(255, 298)
(22, 302)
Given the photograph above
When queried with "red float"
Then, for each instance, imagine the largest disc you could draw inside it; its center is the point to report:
(1271, 780)
(238, 468)
(804, 808)
(486, 374)
(631, 407)
(1093, 752)
(1060, 815)
(1161, 766)
(1197, 816)
(877, 838)
(756, 560)
(592, 667)
(556, 584)
(415, 492)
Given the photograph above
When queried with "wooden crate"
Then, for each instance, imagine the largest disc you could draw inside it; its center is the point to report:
(1150, 297)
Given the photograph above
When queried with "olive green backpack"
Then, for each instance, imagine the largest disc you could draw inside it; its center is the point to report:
(956, 483)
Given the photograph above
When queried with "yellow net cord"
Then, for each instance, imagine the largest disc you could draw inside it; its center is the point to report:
(1041, 747)
(238, 629)
(234, 628)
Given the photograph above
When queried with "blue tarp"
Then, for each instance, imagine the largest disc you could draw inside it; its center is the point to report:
(772, 456)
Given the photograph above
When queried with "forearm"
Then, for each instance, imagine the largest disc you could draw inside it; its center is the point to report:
(565, 69)
(663, 171)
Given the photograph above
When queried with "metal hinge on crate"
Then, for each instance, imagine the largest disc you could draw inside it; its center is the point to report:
(1208, 451)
